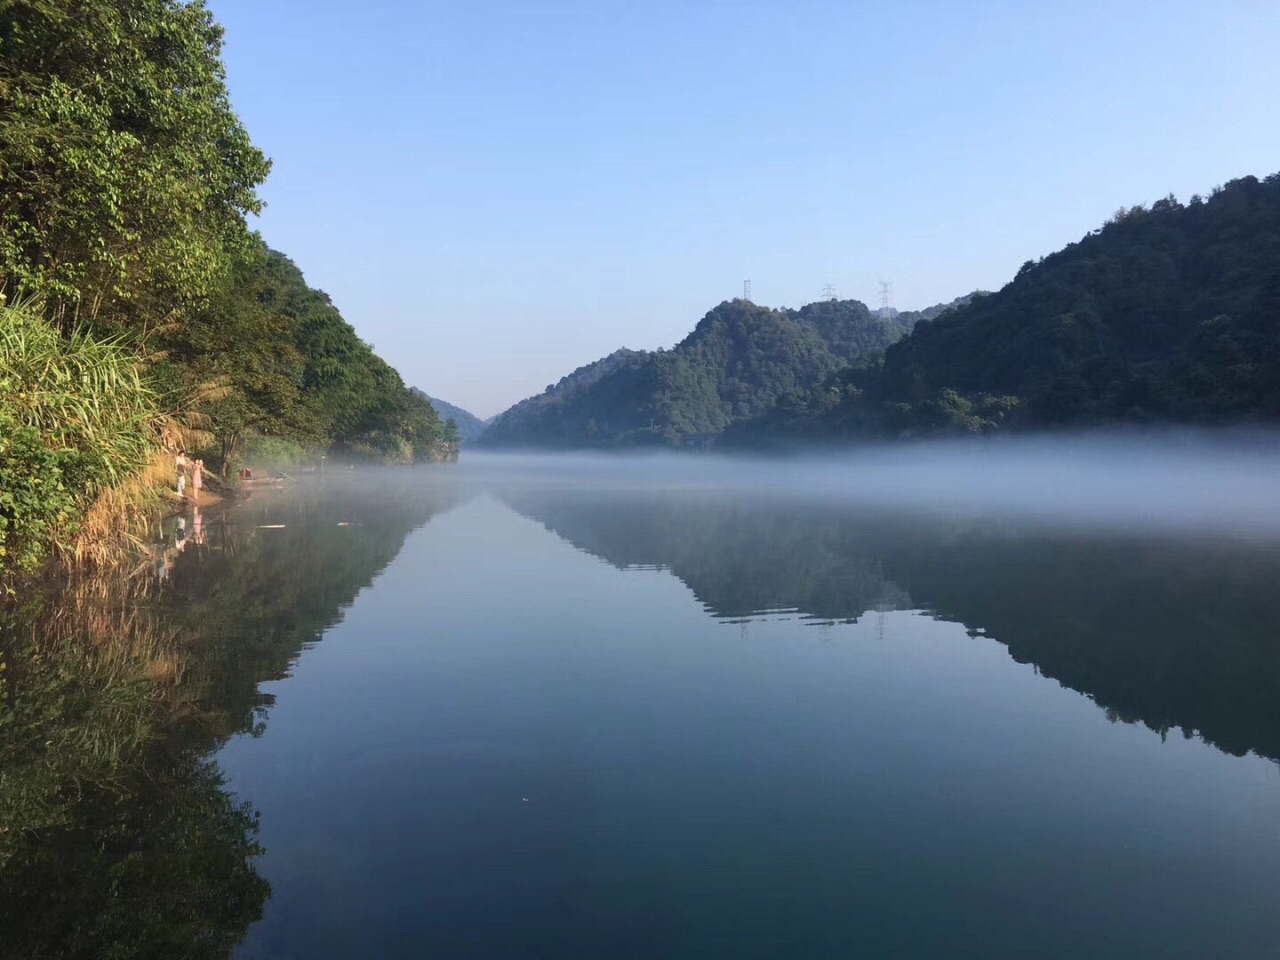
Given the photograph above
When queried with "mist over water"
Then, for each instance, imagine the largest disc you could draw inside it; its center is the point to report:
(965, 699)
(969, 699)
(1177, 482)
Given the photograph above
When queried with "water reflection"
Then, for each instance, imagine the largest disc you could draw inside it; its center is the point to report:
(510, 747)
(117, 834)
(1178, 633)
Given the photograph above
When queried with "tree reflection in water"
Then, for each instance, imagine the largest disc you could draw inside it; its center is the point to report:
(118, 835)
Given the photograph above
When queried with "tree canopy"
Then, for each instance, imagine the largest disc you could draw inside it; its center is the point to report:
(287, 365)
(125, 183)
(125, 176)
(735, 364)
(1167, 314)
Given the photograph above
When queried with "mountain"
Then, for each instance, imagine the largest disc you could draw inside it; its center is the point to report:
(734, 365)
(469, 425)
(552, 417)
(293, 370)
(1167, 314)
(542, 420)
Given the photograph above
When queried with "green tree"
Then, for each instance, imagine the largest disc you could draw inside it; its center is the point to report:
(736, 363)
(450, 434)
(1164, 314)
(125, 176)
(274, 358)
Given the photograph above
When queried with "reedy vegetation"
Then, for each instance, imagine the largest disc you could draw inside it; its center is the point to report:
(78, 417)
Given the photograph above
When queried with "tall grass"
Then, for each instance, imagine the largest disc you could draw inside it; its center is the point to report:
(80, 393)
(78, 422)
(112, 529)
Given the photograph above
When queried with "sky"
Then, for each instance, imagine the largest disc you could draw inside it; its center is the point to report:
(494, 194)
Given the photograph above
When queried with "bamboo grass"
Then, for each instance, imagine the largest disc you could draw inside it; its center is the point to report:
(80, 393)
(90, 402)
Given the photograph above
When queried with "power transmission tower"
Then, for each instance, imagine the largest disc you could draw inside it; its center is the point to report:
(886, 300)
(829, 291)
(746, 290)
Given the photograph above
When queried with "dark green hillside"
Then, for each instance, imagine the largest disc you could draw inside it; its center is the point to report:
(548, 419)
(1167, 314)
(748, 355)
(910, 318)
(735, 364)
(1172, 312)
(286, 365)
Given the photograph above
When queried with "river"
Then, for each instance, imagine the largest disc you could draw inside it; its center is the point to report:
(631, 711)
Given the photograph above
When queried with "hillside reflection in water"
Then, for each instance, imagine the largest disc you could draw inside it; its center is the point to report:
(470, 713)
(1174, 631)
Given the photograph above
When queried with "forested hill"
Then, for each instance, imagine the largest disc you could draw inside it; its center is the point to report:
(293, 371)
(735, 364)
(551, 418)
(139, 312)
(1164, 314)
(469, 426)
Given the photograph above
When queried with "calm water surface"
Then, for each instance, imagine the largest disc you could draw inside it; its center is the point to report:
(494, 718)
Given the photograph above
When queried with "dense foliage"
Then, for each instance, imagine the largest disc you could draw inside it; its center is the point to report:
(286, 364)
(125, 181)
(125, 176)
(1167, 314)
(536, 419)
(734, 365)
(78, 415)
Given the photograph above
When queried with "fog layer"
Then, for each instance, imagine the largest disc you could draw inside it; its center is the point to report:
(1184, 482)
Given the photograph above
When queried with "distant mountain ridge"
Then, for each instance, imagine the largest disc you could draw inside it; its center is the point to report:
(735, 364)
(469, 425)
(1163, 315)
(1167, 314)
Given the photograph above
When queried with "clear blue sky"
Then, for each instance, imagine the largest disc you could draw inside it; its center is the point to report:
(496, 193)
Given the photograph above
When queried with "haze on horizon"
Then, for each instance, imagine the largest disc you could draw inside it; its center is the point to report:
(1168, 481)
(496, 193)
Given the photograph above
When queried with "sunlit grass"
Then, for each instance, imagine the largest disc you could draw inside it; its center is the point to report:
(81, 393)
(85, 465)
